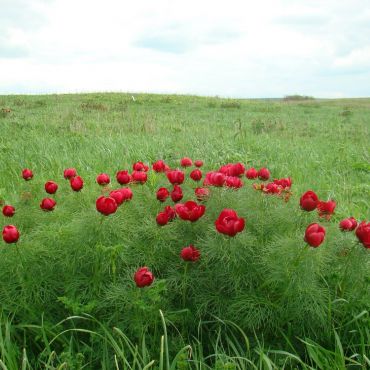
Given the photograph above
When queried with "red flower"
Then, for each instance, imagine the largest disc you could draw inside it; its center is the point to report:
(326, 209)
(10, 234)
(190, 253)
(175, 177)
(162, 194)
(127, 194)
(103, 179)
(214, 179)
(264, 174)
(160, 166)
(162, 218)
(190, 211)
(186, 162)
(117, 195)
(171, 213)
(176, 193)
(106, 205)
(139, 176)
(363, 233)
(271, 188)
(284, 183)
(8, 211)
(233, 182)
(202, 194)
(229, 223)
(348, 224)
(51, 187)
(76, 183)
(123, 177)
(143, 277)
(198, 163)
(232, 169)
(140, 166)
(27, 174)
(69, 173)
(252, 173)
(314, 235)
(309, 201)
(48, 204)
(196, 175)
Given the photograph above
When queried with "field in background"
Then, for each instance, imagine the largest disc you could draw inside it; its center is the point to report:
(322, 144)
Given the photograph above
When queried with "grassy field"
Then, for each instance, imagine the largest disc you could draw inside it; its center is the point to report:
(260, 300)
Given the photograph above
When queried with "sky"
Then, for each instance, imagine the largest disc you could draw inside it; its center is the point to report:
(234, 48)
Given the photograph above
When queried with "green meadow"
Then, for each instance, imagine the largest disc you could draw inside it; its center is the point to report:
(260, 300)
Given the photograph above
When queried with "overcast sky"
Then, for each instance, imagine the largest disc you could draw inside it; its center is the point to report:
(266, 48)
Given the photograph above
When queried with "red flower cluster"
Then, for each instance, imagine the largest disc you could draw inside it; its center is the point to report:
(310, 201)
(167, 215)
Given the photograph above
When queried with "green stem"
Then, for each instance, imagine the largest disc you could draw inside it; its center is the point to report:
(184, 285)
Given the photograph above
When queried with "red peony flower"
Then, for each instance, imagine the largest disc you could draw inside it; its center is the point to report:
(251, 174)
(162, 218)
(160, 166)
(106, 205)
(229, 223)
(48, 204)
(171, 213)
(139, 177)
(348, 224)
(117, 195)
(186, 162)
(190, 211)
(176, 193)
(123, 177)
(198, 163)
(196, 175)
(10, 234)
(190, 253)
(272, 188)
(8, 211)
(309, 201)
(202, 194)
(285, 184)
(140, 166)
(27, 174)
(143, 277)
(233, 182)
(76, 183)
(326, 209)
(69, 173)
(264, 174)
(127, 194)
(51, 187)
(162, 194)
(214, 179)
(363, 233)
(232, 169)
(175, 177)
(314, 235)
(103, 179)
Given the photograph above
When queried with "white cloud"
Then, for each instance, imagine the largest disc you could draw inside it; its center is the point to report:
(238, 48)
